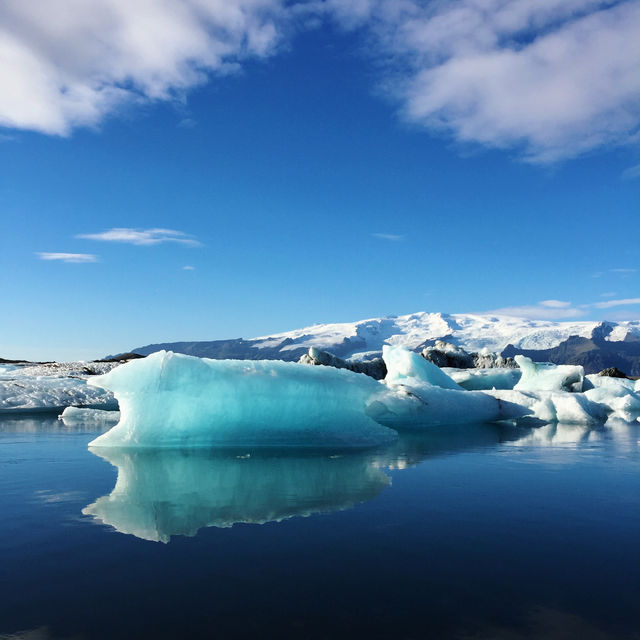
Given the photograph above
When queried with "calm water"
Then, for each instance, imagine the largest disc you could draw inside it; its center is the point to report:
(481, 532)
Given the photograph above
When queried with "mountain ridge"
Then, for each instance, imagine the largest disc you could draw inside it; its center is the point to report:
(590, 343)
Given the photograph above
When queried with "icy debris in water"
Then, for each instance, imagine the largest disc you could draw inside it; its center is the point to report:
(77, 414)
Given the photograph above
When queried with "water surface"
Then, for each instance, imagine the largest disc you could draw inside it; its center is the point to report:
(479, 531)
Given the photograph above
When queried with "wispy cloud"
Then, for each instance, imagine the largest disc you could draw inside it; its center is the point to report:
(616, 303)
(389, 236)
(68, 257)
(142, 236)
(608, 294)
(623, 271)
(631, 173)
(544, 310)
(188, 267)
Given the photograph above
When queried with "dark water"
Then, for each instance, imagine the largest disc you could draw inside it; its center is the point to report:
(478, 532)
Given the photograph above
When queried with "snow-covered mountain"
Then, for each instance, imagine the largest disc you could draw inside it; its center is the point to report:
(364, 339)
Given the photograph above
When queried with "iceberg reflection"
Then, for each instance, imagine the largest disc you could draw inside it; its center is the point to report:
(162, 493)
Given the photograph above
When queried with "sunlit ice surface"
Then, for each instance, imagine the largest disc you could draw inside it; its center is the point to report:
(465, 531)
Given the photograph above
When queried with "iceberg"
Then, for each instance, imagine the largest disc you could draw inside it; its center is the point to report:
(544, 376)
(174, 400)
(555, 406)
(617, 394)
(422, 395)
(408, 367)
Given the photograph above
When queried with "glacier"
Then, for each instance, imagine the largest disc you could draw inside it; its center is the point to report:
(52, 387)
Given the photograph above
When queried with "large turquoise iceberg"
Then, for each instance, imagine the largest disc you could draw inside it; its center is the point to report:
(173, 400)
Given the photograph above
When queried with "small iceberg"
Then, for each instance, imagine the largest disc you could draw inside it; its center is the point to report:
(76, 415)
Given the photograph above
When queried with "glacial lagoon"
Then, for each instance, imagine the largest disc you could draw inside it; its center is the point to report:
(479, 531)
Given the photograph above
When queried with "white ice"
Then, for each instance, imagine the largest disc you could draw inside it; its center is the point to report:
(544, 376)
(484, 379)
(73, 415)
(408, 367)
(422, 395)
(556, 406)
(618, 394)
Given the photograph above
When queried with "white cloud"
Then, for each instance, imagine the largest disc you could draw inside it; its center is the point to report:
(555, 304)
(188, 267)
(68, 257)
(544, 310)
(623, 271)
(616, 303)
(68, 63)
(388, 236)
(631, 173)
(608, 294)
(142, 236)
(554, 78)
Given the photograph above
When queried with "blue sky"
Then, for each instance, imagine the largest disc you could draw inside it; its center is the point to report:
(250, 167)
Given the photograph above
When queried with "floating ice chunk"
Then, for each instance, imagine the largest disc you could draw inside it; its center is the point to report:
(403, 366)
(544, 376)
(174, 400)
(616, 393)
(556, 406)
(422, 395)
(78, 415)
(597, 381)
(485, 379)
(159, 494)
(421, 405)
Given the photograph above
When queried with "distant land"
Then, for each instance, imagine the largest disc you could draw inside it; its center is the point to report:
(594, 345)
